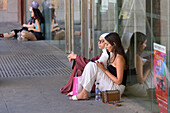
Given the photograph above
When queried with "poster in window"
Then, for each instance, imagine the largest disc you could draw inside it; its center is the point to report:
(3, 4)
(160, 77)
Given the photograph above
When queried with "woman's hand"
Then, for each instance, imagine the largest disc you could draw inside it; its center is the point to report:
(148, 64)
(28, 26)
(24, 25)
(101, 65)
(71, 57)
(56, 25)
(29, 29)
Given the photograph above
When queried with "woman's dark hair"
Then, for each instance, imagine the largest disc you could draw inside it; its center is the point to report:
(38, 15)
(114, 38)
(136, 40)
(52, 10)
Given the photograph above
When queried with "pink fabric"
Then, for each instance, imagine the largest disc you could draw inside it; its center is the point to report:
(78, 67)
(75, 85)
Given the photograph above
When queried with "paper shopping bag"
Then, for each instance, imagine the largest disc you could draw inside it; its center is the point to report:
(76, 85)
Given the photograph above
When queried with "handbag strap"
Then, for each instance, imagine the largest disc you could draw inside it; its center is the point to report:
(115, 104)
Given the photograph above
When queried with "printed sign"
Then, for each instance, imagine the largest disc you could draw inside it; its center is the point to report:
(160, 77)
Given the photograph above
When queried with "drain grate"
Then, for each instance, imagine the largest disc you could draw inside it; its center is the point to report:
(31, 59)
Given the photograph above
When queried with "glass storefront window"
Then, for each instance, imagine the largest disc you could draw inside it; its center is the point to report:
(150, 18)
(52, 10)
(140, 24)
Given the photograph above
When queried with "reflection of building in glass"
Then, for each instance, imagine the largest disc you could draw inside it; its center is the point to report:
(55, 2)
(3, 4)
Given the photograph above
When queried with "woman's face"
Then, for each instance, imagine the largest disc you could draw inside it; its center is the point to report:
(101, 43)
(143, 45)
(108, 46)
(32, 13)
(30, 9)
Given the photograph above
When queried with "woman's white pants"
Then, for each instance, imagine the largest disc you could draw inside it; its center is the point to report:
(92, 73)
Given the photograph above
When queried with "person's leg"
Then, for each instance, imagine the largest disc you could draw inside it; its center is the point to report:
(83, 95)
(77, 33)
(87, 80)
(28, 35)
(2, 35)
(89, 76)
(8, 35)
(59, 35)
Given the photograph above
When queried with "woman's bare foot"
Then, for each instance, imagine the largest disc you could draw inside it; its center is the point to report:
(83, 95)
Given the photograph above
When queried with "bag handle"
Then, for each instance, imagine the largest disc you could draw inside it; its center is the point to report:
(115, 104)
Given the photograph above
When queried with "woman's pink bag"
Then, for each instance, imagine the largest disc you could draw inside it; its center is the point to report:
(76, 85)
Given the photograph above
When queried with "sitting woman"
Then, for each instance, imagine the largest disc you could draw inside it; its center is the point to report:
(52, 30)
(80, 62)
(111, 78)
(30, 24)
(140, 80)
(34, 33)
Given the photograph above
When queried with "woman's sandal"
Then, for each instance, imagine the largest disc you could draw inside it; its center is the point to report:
(70, 93)
(73, 97)
(115, 104)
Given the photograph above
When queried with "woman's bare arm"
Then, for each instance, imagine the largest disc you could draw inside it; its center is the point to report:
(38, 26)
(29, 26)
(120, 66)
(139, 70)
(52, 27)
(71, 57)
